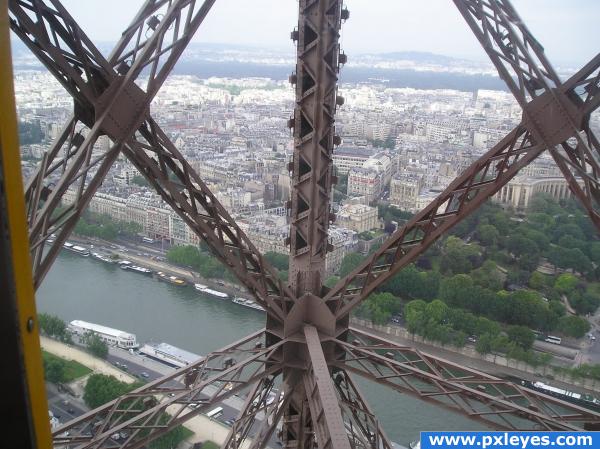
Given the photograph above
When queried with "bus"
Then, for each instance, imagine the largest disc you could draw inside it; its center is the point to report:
(215, 412)
(554, 340)
(147, 240)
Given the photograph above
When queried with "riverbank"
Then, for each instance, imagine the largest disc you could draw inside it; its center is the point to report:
(203, 427)
(132, 252)
(495, 365)
(516, 369)
(70, 352)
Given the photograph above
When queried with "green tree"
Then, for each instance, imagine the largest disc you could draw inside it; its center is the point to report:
(521, 336)
(488, 234)
(349, 263)
(488, 276)
(101, 389)
(53, 326)
(573, 326)
(380, 307)
(484, 344)
(95, 345)
(54, 370)
(537, 281)
(458, 256)
(565, 283)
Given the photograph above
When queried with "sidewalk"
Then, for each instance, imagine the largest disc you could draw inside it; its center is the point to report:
(72, 353)
(204, 428)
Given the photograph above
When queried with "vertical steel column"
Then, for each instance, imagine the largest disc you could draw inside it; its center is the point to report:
(316, 76)
(317, 66)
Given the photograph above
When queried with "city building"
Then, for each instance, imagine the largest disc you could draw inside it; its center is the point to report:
(357, 217)
(520, 190)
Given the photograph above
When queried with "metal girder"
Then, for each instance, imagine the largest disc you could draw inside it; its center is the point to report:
(188, 195)
(549, 112)
(318, 51)
(118, 110)
(474, 186)
(256, 401)
(157, 407)
(467, 192)
(159, 161)
(361, 423)
(493, 401)
(273, 416)
(326, 415)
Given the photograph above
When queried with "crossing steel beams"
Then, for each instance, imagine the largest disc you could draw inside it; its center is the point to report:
(307, 349)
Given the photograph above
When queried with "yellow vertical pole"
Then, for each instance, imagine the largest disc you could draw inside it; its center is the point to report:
(17, 303)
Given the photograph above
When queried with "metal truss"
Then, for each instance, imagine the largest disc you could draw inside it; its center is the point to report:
(149, 149)
(472, 188)
(498, 403)
(307, 348)
(158, 406)
(316, 98)
(363, 427)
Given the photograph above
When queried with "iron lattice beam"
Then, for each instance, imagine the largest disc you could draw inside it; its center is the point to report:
(554, 115)
(465, 194)
(187, 193)
(316, 93)
(495, 402)
(155, 408)
(307, 335)
(363, 426)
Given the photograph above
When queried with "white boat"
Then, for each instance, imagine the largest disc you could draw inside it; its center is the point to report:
(209, 291)
(171, 355)
(76, 249)
(248, 303)
(109, 335)
(102, 258)
(127, 265)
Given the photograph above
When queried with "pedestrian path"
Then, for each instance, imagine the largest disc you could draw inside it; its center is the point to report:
(97, 365)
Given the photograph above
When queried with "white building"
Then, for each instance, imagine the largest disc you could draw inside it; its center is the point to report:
(519, 191)
(357, 217)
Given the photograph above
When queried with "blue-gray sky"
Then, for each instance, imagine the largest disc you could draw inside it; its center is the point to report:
(567, 29)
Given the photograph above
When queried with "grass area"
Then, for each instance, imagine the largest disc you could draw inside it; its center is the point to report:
(210, 445)
(187, 433)
(73, 369)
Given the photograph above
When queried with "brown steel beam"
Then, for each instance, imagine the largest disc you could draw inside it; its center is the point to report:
(363, 426)
(317, 66)
(552, 115)
(325, 411)
(119, 109)
(188, 195)
(496, 402)
(316, 93)
(155, 408)
(467, 192)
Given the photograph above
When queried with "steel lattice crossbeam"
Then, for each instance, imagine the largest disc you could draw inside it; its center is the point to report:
(307, 350)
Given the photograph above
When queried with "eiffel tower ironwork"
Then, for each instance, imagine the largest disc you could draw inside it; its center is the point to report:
(307, 345)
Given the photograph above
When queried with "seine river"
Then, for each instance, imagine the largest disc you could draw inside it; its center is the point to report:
(83, 288)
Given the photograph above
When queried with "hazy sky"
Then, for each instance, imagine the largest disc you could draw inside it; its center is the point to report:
(568, 29)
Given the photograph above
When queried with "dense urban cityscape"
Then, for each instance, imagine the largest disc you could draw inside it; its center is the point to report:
(501, 307)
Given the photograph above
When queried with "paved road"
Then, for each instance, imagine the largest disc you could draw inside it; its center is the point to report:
(138, 364)
(64, 406)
